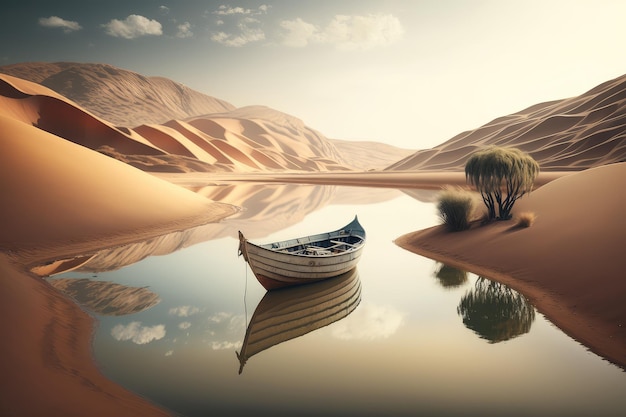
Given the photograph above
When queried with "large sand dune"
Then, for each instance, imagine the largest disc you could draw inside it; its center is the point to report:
(59, 194)
(109, 92)
(570, 134)
(250, 139)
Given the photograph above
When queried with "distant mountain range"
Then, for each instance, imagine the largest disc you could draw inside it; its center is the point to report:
(159, 125)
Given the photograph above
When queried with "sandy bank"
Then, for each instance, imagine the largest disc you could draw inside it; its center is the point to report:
(569, 263)
(61, 200)
(47, 369)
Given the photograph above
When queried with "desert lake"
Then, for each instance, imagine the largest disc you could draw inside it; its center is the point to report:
(423, 339)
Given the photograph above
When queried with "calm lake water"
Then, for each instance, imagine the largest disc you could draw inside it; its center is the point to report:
(423, 339)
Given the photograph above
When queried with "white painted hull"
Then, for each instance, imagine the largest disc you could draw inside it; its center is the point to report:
(307, 259)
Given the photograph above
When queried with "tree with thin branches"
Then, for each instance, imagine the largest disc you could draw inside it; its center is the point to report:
(502, 176)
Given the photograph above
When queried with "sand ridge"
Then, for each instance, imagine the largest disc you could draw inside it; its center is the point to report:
(570, 134)
(251, 139)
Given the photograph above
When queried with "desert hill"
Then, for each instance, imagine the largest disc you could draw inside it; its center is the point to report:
(180, 130)
(570, 134)
(110, 92)
(157, 125)
(204, 143)
(368, 155)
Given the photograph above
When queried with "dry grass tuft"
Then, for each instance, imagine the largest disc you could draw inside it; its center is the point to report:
(525, 219)
(456, 209)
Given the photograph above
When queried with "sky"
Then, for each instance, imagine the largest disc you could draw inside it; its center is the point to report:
(410, 73)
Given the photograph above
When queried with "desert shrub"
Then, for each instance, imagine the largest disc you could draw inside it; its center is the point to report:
(502, 176)
(525, 219)
(456, 208)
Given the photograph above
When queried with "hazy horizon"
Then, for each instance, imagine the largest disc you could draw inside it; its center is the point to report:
(410, 74)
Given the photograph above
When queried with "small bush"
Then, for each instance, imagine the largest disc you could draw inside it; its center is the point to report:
(456, 208)
(525, 219)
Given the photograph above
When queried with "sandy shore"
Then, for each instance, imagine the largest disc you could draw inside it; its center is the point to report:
(63, 201)
(570, 263)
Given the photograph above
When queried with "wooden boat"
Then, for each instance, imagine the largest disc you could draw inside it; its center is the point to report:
(306, 259)
(289, 313)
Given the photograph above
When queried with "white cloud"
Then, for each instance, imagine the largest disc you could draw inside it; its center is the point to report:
(184, 311)
(299, 33)
(184, 325)
(369, 322)
(184, 31)
(247, 32)
(242, 27)
(345, 32)
(225, 345)
(224, 10)
(164, 10)
(133, 26)
(169, 353)
(56, 22)
(137, 333)
(220, 317)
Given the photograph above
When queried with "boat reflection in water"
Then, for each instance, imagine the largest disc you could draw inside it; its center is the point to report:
(288, 313)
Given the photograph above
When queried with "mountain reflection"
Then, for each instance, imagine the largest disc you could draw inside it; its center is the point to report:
(449, 276)
(107, 298)
(289, 313)
(266, 209)
(495, 312)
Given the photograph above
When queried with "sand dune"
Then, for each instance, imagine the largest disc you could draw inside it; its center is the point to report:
(65, 201)
(367, 155)
(62, 194)
(252, 139)
(570, 262)
(110, 92)
(571, 134)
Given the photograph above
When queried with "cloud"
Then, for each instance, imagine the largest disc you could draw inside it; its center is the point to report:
(184, 325)
(369, 322)
(164, 10)
(184, 311)
(132, 27)
(56, 22)
(299, 33)
(225, 345)
(345, 32)
(220, 317)
(247, 32)
(169, 353)
(224, 10)
(137, 333)
(184, 31)
(244, 28)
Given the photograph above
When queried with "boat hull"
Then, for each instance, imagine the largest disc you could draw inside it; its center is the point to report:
(335, 253)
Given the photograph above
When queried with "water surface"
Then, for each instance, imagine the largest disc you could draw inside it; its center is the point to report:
(420, 339)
